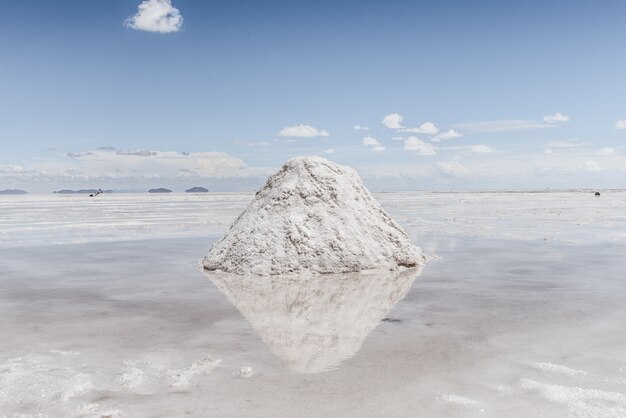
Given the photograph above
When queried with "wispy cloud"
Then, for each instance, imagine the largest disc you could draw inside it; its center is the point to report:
(556, 118)
(156, 16)
(452, 169)
(302, 131)
(449, 134)
(569, 143)
(360, 128)
(591, 165)
(370, 141)
(373, 144)
(502, 126)
(427, 128)
(481, 149)
(329, 151)
(139, 164)
(79, 154)
(393, 121)
(138, 153)
(620, 124)
(413, 143)
(606, 151)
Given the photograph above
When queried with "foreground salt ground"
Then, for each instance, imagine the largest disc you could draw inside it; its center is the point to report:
(522, 315)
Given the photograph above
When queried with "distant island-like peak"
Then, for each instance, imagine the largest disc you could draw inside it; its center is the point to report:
(197, 190)
(160, 190)
(13, 191)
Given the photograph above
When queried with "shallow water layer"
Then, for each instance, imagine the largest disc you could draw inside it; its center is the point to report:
(494, 327)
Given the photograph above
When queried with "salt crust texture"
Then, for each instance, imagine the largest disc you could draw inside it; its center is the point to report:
(312, 216)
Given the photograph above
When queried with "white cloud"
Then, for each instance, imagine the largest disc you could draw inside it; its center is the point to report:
(548, 151)
(481, 149)
(502, 126)
(415, 144)
(449, 134)
(360, 128)
(156, 16)
(139, 153)
(78, 154)
(556, 118)
(373, 143)
(11, 169)
(370, 141)
(606, 151)
(329, 151)
(452, 169)
(620, 124)
(569, 143)
(591, 165)
(142, 164)
(393, 121)
(427, 128)
(302, 131)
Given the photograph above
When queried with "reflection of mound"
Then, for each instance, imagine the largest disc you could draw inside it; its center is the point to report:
(315, 323)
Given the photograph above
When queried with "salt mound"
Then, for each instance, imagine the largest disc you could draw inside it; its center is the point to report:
(312, 216)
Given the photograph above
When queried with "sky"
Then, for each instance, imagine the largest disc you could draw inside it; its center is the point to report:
(416, 95)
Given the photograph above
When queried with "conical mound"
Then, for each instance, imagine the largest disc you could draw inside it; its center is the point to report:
(312, 216)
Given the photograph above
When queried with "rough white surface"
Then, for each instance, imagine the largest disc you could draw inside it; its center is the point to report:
(314, 216)
(574, 216)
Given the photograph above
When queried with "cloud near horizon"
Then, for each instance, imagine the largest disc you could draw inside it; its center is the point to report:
(481, 149)
(156, 16)
(449, 134)
(556, 118)
(413, 143)
(127, 165)
(452, 169)
(427, 128)
(513, 125)
(302, 131)
(373, 144)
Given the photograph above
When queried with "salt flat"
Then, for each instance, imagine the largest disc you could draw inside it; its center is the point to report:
(104, 313)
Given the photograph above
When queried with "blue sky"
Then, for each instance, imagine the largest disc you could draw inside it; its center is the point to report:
(204, 100)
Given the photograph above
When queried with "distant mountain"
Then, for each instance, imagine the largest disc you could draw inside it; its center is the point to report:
(160, 190)
(13, 191)
(81, 191)
(197, 190)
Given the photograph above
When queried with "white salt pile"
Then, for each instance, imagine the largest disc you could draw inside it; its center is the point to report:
(312, 216)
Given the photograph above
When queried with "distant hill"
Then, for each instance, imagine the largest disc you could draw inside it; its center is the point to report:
(81, 191)
(197, 190)
(160, 190)
(13, 191)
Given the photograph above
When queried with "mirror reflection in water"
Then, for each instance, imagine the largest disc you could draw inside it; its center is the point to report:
(313, 323)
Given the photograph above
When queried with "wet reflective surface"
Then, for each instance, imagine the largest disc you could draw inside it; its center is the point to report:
(495, 327)
(313, 323)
